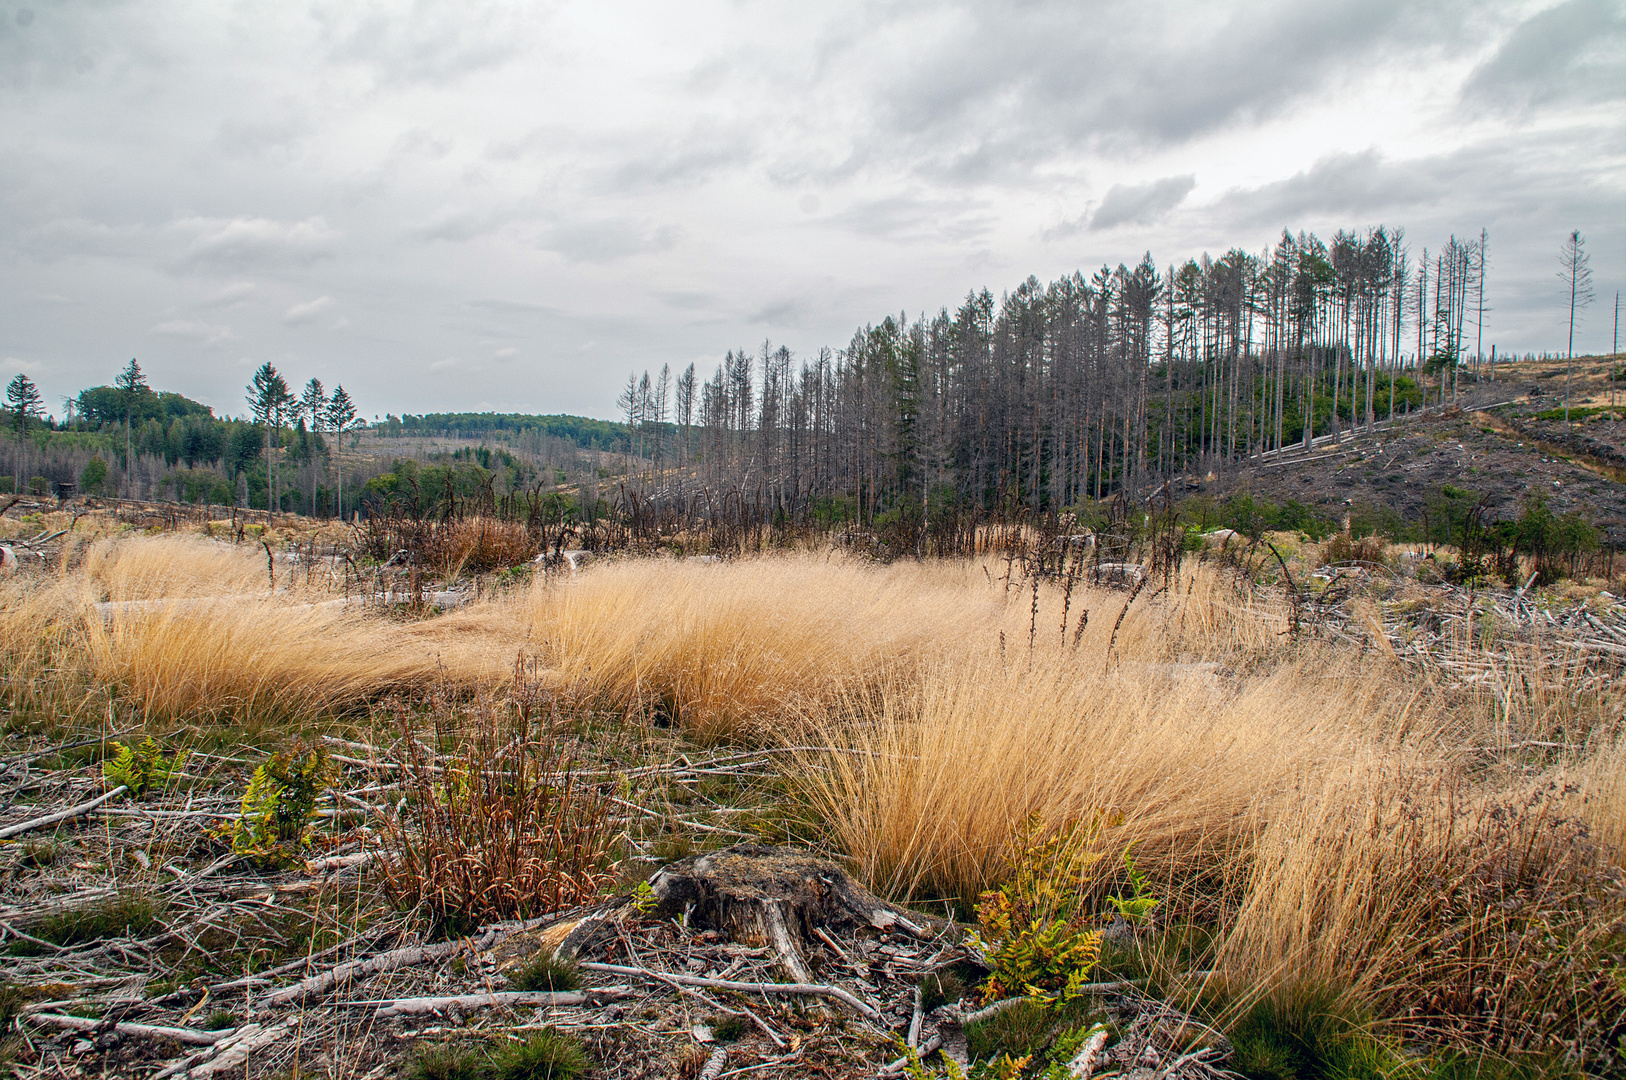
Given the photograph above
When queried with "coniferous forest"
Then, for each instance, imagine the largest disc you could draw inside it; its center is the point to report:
(1086, 386)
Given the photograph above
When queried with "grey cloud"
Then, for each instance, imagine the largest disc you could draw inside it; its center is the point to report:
(1351, 184)
(608, 239)
(704, 152)
(1051, 75)
(58, 43)
(459, 224)
(689, 299)
(252, 139)
(786, 312)
(514, 307)
(69, 237)
(433, 43)
(1575, 51)
(421, 142)
(1142, 204)
(914, 217)
(256, 241)
(230, 296)
(194, 330)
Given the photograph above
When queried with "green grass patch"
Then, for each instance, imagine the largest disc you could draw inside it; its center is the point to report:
(543, 974)
(128, 914)
(1578, 412)
(547, 1055)
(1309, 1038)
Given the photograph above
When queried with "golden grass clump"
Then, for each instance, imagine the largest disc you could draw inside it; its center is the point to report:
(182, 627)
(929, 778)
(737, 647)
(1337, 822)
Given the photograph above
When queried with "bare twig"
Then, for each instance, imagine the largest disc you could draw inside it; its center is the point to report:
(60, 815)
(795, 989)
(510, 999)
(150, 1031)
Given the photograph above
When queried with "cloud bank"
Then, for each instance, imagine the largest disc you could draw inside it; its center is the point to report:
(442, 204)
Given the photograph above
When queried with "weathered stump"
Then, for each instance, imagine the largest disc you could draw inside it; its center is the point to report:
(781, 898)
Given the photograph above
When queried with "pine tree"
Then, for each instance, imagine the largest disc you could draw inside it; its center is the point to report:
(340, 414)
(269, 401)
(23, 400)
(132, 384)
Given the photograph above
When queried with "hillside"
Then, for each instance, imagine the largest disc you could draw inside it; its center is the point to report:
(1507, 440)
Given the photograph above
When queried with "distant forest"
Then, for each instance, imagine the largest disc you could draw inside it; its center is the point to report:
(1060, 393)
(134, 441)
(585, 432)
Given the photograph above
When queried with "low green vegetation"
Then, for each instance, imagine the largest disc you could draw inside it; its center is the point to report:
(547, 1055)
(130, 914)
(544, 974)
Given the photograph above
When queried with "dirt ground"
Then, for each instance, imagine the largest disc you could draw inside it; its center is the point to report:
(1499, 442)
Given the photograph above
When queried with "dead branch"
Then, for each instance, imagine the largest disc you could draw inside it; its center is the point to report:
(796, 989)
(522, 999)
(150, 1031)
(61, 815)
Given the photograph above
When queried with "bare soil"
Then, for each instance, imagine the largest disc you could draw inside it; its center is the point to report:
(1498, 442)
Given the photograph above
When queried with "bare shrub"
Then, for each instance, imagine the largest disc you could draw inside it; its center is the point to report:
(497, 823)
(1344, 548)
(476, 544)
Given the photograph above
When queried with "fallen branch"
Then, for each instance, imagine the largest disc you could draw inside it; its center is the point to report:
(797, 989)
(360, 969)
(227, 1054)
(60, 815)
(151, 1031)
(1083, 1064)
(518, 999)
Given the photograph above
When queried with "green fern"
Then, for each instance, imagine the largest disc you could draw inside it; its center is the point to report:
(143, 768)
(1036, 925)
(279, 806)
(1140, 902)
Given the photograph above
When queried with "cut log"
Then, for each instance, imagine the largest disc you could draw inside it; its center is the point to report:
(779, 898)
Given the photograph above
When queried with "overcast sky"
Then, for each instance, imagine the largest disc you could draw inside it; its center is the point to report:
(471, 205)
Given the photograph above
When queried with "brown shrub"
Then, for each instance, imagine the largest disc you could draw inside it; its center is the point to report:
(1344, 548)
(498, 822)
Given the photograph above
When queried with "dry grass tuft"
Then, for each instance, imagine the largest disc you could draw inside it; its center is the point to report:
(726, 649)
(932, 777)
(179, 627)
(497, 824)
(1342, 827)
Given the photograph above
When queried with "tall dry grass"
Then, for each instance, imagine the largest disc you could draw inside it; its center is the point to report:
(930, 778)
(1341, 825)
(744, 647)
(736, 648)
(1339, 821)
(192, 629)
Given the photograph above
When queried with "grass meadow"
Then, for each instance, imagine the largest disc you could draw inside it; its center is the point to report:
(1348, 848)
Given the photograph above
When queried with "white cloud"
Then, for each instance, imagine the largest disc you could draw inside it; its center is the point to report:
(307, 312)
(232, 295)
(255, 241)
(194, 330)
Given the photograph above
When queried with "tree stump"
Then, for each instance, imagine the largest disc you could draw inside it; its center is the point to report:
(779, 897)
